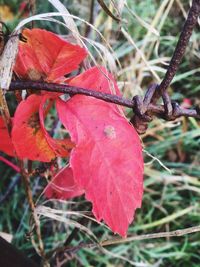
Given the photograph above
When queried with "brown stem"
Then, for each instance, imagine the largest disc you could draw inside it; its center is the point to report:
(118, 240)
(26, 181)
(73, 90)
(91, 19)
(179, 51)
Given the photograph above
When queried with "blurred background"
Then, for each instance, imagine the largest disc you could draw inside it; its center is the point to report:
(137, 50)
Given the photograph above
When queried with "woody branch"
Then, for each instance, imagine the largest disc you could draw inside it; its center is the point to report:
(140, 107)
(73, 90)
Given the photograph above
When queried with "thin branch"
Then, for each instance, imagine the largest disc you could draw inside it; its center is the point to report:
(179, 51)
(175, 233)
(157, 110)
(26, 181)
(116, 241)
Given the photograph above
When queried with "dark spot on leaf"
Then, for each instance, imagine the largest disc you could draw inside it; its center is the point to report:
(34, 122)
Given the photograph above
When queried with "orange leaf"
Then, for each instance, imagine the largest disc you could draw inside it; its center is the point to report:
(29, 136)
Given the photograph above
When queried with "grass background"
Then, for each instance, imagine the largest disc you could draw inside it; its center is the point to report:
(171, 199)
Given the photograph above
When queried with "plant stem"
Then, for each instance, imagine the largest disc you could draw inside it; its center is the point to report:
(118, 240)
(179, 51)
(181, 232)
(26, 181)
(73, 90)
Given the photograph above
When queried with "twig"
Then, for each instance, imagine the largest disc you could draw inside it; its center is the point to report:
(179, 51)
(115, 241)
(25, 177)
(175, 233)
(157, 110)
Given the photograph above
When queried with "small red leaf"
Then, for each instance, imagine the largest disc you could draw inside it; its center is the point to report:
(5, 141)
(63, 185)
(46, 56)
(107, 160)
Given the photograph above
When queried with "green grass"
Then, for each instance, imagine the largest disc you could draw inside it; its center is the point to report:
(176, 145)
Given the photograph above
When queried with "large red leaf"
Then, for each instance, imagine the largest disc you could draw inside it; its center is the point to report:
(107, 160)
(63, 185)
(29, 135)
(46, 56)
(5, 141)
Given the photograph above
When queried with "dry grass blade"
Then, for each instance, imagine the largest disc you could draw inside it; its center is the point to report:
(156, 159)
(130, 39)
(49, 16)
(53, 214)
(147, 26)
(67, 19)
(7, 60)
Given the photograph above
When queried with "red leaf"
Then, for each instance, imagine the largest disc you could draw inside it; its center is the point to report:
(107, 160)
(97, 78)
(29, 135)
(63, 185)
(46, 56)
(5, 141)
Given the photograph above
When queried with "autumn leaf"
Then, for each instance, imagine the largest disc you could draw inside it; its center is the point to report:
(6, 145)
(45, 56)
(63, 185)
(29, 135)
(107, 160)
